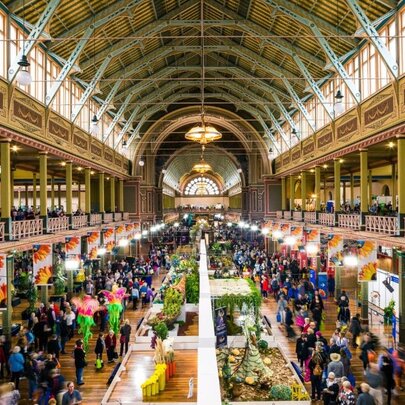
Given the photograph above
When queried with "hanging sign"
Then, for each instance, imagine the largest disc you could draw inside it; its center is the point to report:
(42, 260)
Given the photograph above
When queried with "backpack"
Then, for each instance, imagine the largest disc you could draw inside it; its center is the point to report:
(317, 370)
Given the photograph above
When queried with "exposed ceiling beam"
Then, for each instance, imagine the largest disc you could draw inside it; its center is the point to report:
(18, 5)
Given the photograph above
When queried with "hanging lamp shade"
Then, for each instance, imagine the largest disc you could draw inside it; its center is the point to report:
(202, 167)
(203, 134)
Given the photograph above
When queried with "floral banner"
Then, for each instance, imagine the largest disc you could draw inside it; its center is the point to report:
(42, 258)
(73, 245)
(109, 239)
(297, 232)
(312, 235)
(119, 232)
(3, 281)
(93, 243)
(275, 229)
(285, 229)
(367, 255)
(129, 231)
(335, 248)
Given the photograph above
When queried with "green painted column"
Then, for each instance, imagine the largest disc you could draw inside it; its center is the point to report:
(370, 187)
(292, 192)
(101, 196)
(26, 195)
(34, 191)
(112, 194)
(52, 192)
(401, 183)
(5, 180)
(337, 196)
(318, 188)
(87, 186)
(12, 173)
(79, 191)
(121, 196)
(283, 194)
(364, 303)
(59, 195)
(7, 314)
(364, 181)
(394, 186)
(401, 272)
(69, 181)
(352, 190)
(303, 191)
(43, 183)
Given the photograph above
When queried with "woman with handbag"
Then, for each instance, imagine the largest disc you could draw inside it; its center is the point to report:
(110, 345)
(80, 361)
(99, 349)
(125, 333)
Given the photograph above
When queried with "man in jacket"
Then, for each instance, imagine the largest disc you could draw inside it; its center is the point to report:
(80, 361)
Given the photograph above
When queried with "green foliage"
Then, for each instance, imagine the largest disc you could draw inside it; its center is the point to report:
(175, 261)
(216, 248)
(232, 301)
(189, 265)
(193, 288)
(32, 295)
(59, 279)
(232, 329)
(280, 393)
(172, 303)
(161, 330)
(262, 345)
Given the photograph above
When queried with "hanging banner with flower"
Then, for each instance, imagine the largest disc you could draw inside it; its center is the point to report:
(312, 235)
(93, 243)
(42, 260)
(335, 249)
(297, 233)
(109, 239)
(276, 232)
(3, 281)
(119, 232)
(129, 230)
(73, 245)
(367, 256)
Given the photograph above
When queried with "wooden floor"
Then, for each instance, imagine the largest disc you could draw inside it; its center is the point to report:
(141, 365)
(269, 308)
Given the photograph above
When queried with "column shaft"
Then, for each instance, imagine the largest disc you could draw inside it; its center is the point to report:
(5, 180)
(52, 192)
(87, 186)
(352, 189)
(401, 178)
(337, 184)
(34, 191)
(12, 173)
(121, 207)
(394, 186)
(43, 183)
(363, 181)
(79, 191)
(283, 194)
(69, 181)
(101, 192)
(112, 193)
(26, 195)
(303, 191)
(59, 195)
(344, 192)
(292, 192)
(318, 188)
(370, 187)
(401, 256)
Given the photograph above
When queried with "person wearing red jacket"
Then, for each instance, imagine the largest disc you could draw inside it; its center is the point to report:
(110, 345)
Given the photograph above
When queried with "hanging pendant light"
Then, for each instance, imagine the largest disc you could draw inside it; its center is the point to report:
(94, 129)
(202, 166)
(24, 76)
(339, 108)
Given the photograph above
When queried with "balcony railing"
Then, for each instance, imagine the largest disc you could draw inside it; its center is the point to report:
(125, 216)
(310, 217)
(108, 217)
(326, 219)
(2, 224)
(57, 224)
(117, 216)
(79, 221)
(96, 219)
(384, 225)
(297, 215)
(279, 214)
(26, 229)
(349, 221)
(287, 214)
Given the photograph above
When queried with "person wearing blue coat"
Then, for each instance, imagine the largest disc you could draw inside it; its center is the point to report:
(16, 363)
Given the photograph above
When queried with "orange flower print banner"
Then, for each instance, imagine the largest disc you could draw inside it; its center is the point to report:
(129, 230)
(313, 235)
(73, 245)
(109, 239)
(3, 281)
(42, 258)
(335, 248)
(367, 255)
(93, 243)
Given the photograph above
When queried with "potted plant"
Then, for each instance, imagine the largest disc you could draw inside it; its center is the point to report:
(389, 312)
(59, 279)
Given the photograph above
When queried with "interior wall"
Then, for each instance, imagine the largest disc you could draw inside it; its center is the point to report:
(235, 201)
(202, 201)
(168, 201)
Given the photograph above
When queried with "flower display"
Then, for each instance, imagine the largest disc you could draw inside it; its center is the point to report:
(109, 246)
(313, 235)
(43, 275)
(368, 272)
(366, 249)
(334, 241)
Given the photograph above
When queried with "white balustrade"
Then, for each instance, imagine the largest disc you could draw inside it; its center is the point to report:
(287, 214)
(384, 225)
(297, 215)
(349, 221)
(310, 216)
(125, 216)
(2, 224)
(79, 221)
(26, 229)
(96, 219)
(279, 214)
(117, 216)
(326, 219)
(59, 224)
(108, 217)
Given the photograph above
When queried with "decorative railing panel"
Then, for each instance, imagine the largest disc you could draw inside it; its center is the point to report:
(287, 214)
(279, 214)
(326, 219)
(96, 219)
(297, 215)
(59, 224)
(2, 225)
(349, 221)
(310, 217)
(384, 225)
(108, 217)
(125, 216)
(117, 216)
(26, 229)
(79, 221)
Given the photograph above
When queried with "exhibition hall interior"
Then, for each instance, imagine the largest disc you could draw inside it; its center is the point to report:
(202, 201)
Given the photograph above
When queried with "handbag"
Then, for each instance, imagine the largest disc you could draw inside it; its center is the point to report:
(278, 317)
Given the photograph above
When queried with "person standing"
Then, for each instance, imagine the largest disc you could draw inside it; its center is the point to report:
(386, 366)
(16, 363)
(316, 365)
(125, 332)
(80, 361)
(99, 349)
(110, 345)
(71, 396)
(355, 329)
(365, 398)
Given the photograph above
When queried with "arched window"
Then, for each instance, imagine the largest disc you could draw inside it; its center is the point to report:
(201, 186)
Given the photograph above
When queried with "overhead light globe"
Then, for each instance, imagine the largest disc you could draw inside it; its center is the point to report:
(311, 248)
(265, 231)
(202, 167)
(254, 228)
(339, 108)
(203, 134)
(24, 76)
(72, 264)
(94, 129)
(141, 162)
(138, 236)
(277, 234)
(101, 251)
(351, 261)
(123, 242)
(290, 240)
